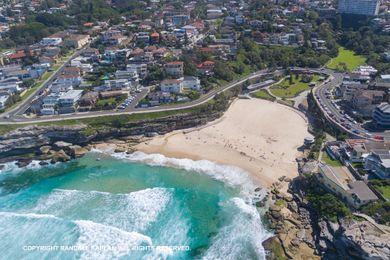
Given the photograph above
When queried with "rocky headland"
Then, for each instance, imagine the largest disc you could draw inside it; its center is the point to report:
(300, 234)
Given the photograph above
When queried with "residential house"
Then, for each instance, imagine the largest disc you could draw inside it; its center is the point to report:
(77, 41)
(340, 181)
(49, 104)
(118, 84)
(71, 80)
(157, 98)
(88, 100)
(206, 67)
(140, 68)
(52, 52)
(10, 85)
(378, 162)
(348, 88)
(127, 74)
(381, 115)
(67, 102)
(191, 82)
(364, 101)
(51, 41)
(155, 38)
(172, 86)
(214, 13)
(75, 71)
(3, 101)
(175, 68)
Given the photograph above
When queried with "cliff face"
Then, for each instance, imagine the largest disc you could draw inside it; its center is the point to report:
(297, 228)
(29, 139)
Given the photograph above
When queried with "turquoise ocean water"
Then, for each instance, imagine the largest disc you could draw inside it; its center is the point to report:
(128, 207)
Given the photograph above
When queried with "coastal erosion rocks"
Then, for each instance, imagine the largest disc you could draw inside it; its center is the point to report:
(293, 234)
(300, 235)
(38, 142)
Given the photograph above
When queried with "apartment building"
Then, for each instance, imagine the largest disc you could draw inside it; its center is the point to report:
(362, 7)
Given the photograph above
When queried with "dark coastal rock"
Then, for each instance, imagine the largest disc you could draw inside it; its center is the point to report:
(274, 249)
(23, 162)
(60, 156)
(43, 163)
(30, 139)
(45, 149)
(62, 145)
(75, 151)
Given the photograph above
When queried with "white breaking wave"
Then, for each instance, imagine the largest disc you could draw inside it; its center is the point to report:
(107, 242)
(244, 231)
(230, 175)
(134, 211)
(12, 167)
(27, 215)
(245, 226)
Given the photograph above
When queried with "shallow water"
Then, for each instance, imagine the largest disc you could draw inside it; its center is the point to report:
(128, 207)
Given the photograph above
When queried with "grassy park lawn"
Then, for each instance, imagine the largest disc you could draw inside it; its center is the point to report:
(287, 90)
(383, 186)
(346, 60)
(263, 94)
(329, 161)
(385, 190)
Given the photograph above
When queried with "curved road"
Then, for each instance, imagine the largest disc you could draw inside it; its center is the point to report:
(25, 104)
(203, 99)
(330, 111)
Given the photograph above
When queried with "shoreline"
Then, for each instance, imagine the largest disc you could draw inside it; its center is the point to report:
(257, 136)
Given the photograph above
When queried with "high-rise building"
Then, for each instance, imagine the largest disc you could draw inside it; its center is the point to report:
(363, 7)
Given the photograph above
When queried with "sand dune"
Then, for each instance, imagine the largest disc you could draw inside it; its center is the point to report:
(258, 136)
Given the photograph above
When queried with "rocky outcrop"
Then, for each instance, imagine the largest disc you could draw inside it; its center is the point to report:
(302, 236)
(31, 138)
(37, 139)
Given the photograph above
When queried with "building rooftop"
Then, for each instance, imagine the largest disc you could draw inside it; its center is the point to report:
(72, 94)
(362, 191)
(384, 107)
(339, 175)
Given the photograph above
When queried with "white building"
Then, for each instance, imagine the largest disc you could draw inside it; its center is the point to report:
(51, 41)
(3, 101)
(191, 83)
(363, 7)
(118, 84)
(127, 74)
(72, 80)
(70, 97)
(49, 104)
(381, 115)
(175, 68)
(171, 86)
(140, 68)
(214, 13)
(378, 162)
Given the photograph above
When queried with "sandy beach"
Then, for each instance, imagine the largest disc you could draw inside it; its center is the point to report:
(258, 136)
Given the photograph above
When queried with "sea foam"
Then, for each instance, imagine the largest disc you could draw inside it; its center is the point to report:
(111, 208)
(230, 175)
(107, 242)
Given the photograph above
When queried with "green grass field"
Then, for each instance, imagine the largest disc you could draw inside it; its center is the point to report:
(346, 61)
(263, 94)
(329, 161)
(385, 190)
(287, 90)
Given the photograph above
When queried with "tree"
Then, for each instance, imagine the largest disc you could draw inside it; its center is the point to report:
(223, 71)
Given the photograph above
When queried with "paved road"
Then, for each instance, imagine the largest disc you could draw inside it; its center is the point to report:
(25, 104)
(203, 99)
(333, 114)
